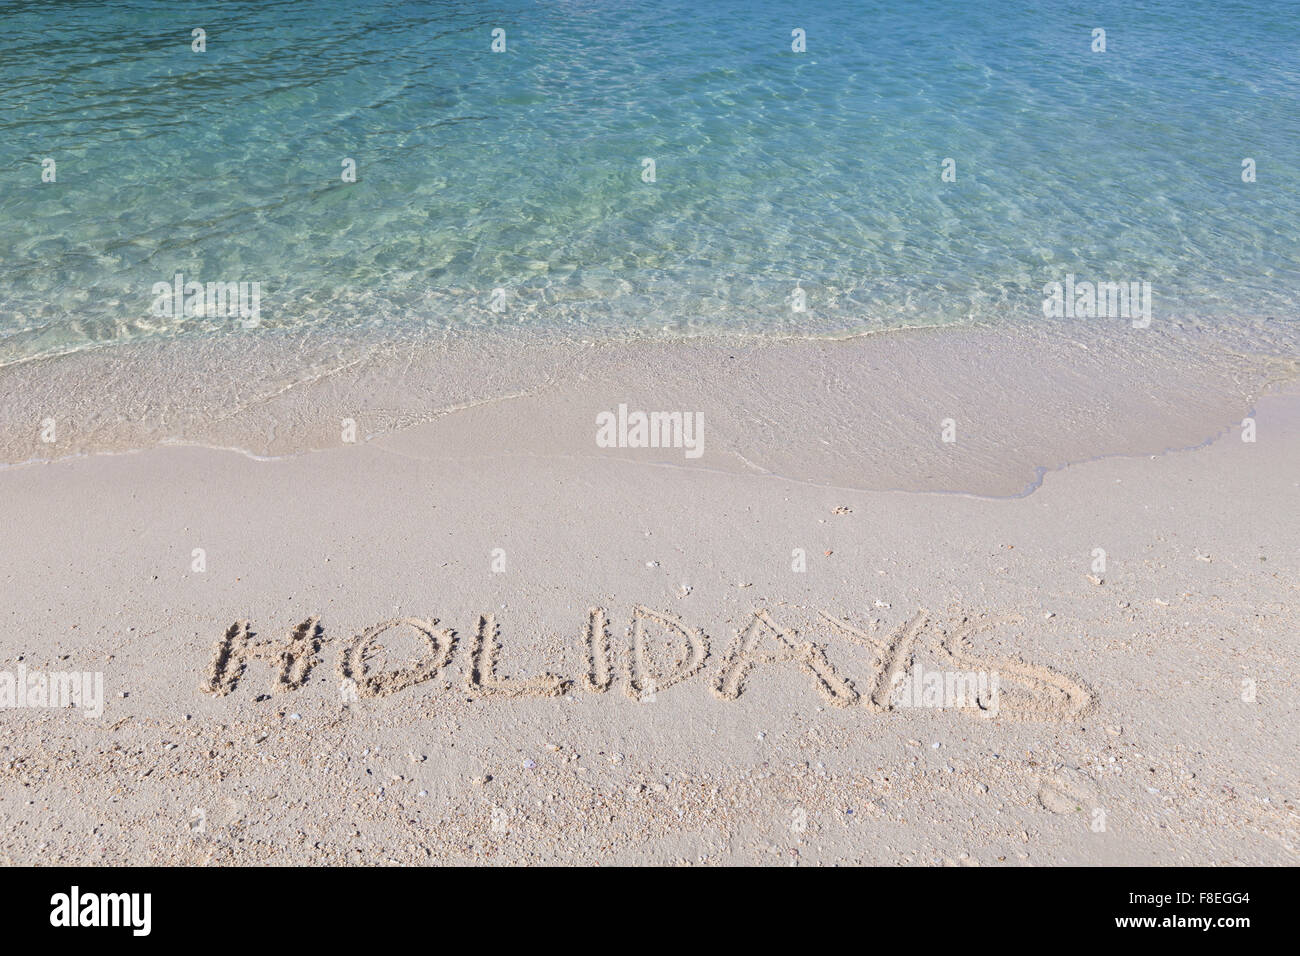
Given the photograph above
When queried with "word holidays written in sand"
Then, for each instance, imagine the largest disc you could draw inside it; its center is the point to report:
(1039, 692)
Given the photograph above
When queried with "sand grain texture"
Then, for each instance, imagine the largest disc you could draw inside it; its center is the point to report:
(648, 680)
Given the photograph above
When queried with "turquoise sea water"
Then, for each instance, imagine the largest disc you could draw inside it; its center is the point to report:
(523, 170)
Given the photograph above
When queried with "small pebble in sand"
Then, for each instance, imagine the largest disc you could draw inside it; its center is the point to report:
(530, 764)
(652, 564)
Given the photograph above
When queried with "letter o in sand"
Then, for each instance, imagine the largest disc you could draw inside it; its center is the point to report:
(352, 659)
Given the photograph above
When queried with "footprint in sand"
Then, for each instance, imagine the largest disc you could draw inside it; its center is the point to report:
(1067, 790)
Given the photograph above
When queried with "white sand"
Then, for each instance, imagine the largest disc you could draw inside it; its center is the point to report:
(1121, 734)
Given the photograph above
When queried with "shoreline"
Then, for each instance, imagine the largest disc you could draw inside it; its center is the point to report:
(1010, 404)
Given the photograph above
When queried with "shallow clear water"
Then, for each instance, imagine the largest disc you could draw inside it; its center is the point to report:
(522, 170)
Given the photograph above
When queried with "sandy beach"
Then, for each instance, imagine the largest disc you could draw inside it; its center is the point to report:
(661, 434)
(485, 638)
